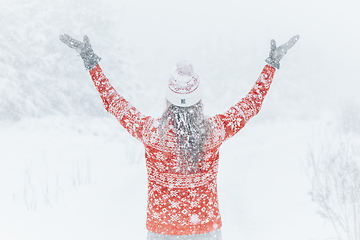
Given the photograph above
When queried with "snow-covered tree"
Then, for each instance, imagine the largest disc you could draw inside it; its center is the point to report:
(39, 76)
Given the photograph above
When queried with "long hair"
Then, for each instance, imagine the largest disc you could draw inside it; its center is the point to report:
(191, 129)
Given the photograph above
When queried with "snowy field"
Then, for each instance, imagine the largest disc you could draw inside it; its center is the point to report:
(70, 178)
(68, 171)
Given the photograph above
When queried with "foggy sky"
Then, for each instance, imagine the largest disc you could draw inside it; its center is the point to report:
(226, 41)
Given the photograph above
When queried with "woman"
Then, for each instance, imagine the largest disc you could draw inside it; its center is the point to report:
(181, 147)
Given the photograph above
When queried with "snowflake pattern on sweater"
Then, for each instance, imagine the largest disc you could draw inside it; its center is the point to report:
(182, 204)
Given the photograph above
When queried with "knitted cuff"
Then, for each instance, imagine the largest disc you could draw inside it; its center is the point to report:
(273, 63)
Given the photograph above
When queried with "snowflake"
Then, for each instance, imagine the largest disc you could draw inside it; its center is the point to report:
(156, 215)
(193, 193)
(173, 193)
(194, 204)
(174, 217)
(174, 204)
(194, 219)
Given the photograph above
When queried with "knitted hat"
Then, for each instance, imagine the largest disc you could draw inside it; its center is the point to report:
(184, 85)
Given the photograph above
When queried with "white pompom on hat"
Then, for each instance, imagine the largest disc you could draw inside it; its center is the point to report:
(184, 85)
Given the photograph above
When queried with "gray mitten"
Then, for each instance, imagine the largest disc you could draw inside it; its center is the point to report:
(84, 49)
(277, 53)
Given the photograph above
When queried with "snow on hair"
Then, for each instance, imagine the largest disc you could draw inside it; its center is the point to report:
(191, 130)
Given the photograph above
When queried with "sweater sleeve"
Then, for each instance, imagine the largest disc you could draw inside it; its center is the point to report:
(238, 115)
(128, 116)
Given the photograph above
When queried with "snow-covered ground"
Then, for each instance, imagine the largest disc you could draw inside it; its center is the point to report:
(71, 178)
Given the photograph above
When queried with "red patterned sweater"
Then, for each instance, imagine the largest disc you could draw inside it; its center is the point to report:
(180, 204)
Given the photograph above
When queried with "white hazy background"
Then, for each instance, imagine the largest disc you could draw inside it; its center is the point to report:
(68, 170)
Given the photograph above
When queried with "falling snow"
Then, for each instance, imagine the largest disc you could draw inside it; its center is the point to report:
(70, 171)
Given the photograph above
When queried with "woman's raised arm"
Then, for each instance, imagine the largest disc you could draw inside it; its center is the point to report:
(128, 116)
